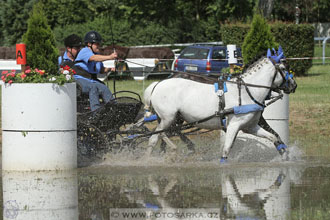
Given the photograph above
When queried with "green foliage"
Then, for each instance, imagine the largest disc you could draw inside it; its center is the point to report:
(233, 10)
(311, 11)
(61, 13)
(40, 42)
(164, 21)
(297, 41)
(234, 33)
(13, 15)
(258, 39)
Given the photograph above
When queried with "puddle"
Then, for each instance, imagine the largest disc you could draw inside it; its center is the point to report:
(255, 184)
(238, 191)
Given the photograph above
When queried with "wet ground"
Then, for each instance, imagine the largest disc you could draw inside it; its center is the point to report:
(244, 191)
(255, 184)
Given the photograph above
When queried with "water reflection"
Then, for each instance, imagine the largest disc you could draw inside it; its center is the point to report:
(236, 193)
(256, 193)
(253, 191)
(40, 195)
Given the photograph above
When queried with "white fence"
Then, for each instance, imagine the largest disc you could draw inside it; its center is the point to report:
(141, 67)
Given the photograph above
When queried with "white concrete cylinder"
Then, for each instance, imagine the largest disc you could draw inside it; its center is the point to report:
(277, 116)
(232, 54)
(39, 126)
(40, 195)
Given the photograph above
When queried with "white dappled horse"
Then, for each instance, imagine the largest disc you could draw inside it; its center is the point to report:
(196, 101)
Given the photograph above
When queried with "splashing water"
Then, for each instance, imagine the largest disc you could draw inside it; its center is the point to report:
(246, 149)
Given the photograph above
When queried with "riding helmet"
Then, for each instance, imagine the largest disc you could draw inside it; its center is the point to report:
(73, 40)
(92, 37)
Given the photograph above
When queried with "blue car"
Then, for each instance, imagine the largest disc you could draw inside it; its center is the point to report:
(204, 59)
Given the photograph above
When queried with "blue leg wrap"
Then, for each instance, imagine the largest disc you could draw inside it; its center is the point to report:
(151, 118)
(151, 206)
(281, 146)
(223, 160)
(132, 136)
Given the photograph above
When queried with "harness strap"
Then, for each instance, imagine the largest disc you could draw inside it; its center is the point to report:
(239, 85)
(251, 97)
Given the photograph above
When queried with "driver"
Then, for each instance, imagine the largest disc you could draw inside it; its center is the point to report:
(88, 64)
(72, 45)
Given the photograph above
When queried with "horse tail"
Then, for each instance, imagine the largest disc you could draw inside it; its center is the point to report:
(147, 97)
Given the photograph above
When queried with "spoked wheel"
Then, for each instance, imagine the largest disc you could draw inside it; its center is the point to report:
(127, 138)
(92, 144)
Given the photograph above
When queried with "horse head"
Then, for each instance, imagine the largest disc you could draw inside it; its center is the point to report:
(283, 79)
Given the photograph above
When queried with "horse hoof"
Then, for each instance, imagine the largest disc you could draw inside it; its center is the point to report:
(223, 160)
(285, 156)
(191, 152)
(279, 180)
(281, 148)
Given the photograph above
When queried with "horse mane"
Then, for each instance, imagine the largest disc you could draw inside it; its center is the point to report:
(253, 63)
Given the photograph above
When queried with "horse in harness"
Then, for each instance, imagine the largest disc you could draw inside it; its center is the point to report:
(238, 105)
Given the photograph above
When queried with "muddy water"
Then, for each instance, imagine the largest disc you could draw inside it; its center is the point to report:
(292, 190)
(256, 183)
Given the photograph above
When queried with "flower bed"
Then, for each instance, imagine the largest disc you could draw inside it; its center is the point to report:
(65, 75)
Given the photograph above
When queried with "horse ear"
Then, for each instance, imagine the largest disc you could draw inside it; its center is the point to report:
(278, 58)
(269, 54)
(280, 50)
(275, 53)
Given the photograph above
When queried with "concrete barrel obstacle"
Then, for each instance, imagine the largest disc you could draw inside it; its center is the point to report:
(39, 126)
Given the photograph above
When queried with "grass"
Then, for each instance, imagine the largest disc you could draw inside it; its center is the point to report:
(309, 112)
(131, 85)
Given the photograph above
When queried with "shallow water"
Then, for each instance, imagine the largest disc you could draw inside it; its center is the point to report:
(201, 191)
(256, 183)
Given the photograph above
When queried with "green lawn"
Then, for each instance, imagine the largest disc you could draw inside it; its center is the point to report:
(310, 112)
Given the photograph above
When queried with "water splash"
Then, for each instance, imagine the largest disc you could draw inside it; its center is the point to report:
(246, 149)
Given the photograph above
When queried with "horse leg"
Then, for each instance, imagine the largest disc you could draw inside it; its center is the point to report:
(163, 124)
(190, 145)
(261, 132)
(231, 134)
(279, 144)
(188, 142)
(175, 129)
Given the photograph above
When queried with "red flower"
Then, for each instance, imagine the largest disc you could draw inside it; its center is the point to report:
(27, 71)
(23, 76)
(10, 81)
(4, 72)
(66, 67)
(41, 72)
(3, 77)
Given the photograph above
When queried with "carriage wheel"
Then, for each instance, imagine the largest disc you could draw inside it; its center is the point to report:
(121, 140)
(92, 143)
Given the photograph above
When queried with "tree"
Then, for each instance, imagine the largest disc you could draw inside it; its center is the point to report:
(233, 10)
(40, 42)
(13, 15)
(258, 39)
(60, 13)
(266, 7)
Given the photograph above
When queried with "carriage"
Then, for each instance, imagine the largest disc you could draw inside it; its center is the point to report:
(111, 128)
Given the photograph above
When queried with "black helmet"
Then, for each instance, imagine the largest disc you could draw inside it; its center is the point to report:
(73, 40)
(92, 37)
